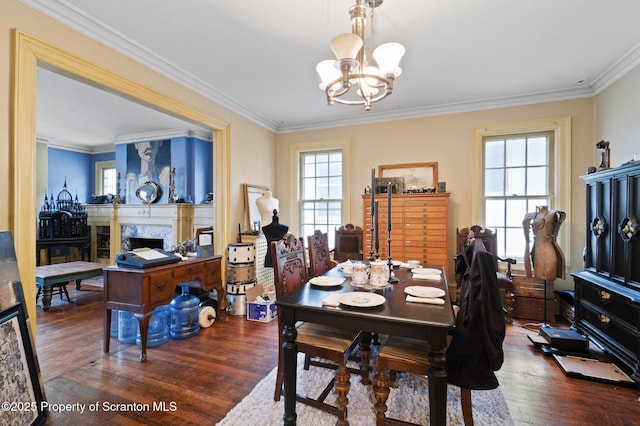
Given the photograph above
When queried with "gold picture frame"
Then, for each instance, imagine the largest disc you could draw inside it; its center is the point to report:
(252, 214)
(415, 175)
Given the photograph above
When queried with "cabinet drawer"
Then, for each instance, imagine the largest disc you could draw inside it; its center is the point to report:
(161, 287)
(188, 272)
(609, 301)
(611, 327)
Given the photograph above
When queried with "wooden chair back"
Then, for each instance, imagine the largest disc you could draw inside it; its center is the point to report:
(348, 243)
(289, 264)
(464, 237)
(319, 254)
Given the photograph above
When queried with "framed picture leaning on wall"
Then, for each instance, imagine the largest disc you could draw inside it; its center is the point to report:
(21, 391)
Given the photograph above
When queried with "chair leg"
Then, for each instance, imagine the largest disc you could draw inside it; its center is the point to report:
(381, 391)
(467, 410)
(38, 293)
(365, 358)
(66, 293)
(342, 385)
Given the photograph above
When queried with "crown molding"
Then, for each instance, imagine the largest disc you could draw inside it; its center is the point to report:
(67, 14)
(76, 19)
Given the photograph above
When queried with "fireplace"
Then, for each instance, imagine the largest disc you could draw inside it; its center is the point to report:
(154, 243)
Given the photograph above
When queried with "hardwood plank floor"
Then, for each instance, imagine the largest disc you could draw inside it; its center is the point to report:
(200, 379)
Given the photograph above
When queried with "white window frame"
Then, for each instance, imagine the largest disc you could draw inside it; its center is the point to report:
(99, 178)
(560, 194)
(295, 152)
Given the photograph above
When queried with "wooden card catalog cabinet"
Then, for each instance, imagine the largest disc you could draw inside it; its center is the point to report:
(420, 225)
(608, 290)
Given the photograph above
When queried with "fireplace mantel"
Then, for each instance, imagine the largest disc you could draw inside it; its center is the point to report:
(183, 220)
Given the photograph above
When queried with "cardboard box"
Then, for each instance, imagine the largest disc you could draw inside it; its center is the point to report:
(258, 310)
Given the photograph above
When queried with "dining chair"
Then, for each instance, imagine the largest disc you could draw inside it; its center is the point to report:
(333, 346)
(400, 354)
(464, 237)
(319, 254)
(475, 345)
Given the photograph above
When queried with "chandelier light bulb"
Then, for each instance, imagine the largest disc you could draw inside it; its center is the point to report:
(346, 46)
(328, 72)
(388, 58)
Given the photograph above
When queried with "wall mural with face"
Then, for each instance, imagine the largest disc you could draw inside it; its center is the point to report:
(148, 161)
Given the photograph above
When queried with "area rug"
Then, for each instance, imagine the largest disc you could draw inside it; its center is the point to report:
(409, 402)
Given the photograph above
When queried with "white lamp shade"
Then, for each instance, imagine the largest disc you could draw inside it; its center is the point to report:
(388, 58)
(364, 89)
(346, 46)
(327, 72)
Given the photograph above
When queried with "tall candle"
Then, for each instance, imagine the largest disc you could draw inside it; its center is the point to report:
(372, 189)
(389, 206)
(376, 224)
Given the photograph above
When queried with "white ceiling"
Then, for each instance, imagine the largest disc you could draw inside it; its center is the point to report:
(258, 58)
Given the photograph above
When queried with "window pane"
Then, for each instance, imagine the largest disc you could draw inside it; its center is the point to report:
(309, 189)
(494, 153)
(309, 170)
(516, 149)
(494, 213)
(514, 243)
(537, 180)
(537, 151)
(516, 209)
(515, 181)
(109, 180)
(494, 182)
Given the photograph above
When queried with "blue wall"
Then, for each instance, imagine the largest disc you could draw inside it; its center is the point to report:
(191, 158)
(76, 168)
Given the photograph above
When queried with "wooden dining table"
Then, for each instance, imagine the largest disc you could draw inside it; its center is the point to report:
(396, 316)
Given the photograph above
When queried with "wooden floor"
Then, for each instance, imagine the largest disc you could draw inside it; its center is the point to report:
(200, 379)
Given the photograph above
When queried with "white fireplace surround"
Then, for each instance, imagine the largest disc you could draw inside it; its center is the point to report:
(174, 223)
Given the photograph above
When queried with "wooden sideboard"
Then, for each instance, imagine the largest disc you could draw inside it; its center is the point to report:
(142, 290)
(607, 292)
(419, 227)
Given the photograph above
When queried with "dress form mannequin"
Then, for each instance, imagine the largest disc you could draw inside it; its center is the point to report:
(273, 232)
(266, 206)
(547, 257)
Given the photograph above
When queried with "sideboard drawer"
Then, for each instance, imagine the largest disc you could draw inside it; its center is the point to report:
(188, 272)
(160, 287)
(610, 302)
(611, 327)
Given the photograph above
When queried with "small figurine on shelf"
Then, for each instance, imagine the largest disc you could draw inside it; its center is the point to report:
(603, 146)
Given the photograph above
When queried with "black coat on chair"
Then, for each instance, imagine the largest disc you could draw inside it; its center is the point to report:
(475, 351)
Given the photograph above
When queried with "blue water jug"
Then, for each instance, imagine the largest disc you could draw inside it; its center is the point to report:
(158, 332)
(113, 331)
(127, 327)
(184, 315)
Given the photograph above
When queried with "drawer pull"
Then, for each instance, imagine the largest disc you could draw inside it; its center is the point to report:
(189, 270)
(161, 286)
(605, 297)
(605, 321)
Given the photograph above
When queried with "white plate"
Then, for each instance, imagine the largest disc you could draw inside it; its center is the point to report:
(433, 277)
(361, 299)
(420, 291)
(323, 281)
(426, 271)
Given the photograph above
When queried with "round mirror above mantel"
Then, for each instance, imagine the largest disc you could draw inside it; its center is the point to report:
(149, 192)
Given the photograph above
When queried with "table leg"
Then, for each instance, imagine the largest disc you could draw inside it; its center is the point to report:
(78, 284)
(290, 362)
(46, 297)
(437, 388)
(107, 330)
(143, 323)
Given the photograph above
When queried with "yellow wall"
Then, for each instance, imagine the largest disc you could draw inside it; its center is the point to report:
(245, 136)
(616, 118)
(447, 139)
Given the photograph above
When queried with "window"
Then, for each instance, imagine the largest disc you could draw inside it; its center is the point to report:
(321, 185)
(521, 165)
(517, 178)
(106, 177)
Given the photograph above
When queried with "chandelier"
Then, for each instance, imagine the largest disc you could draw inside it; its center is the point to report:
(352, 79)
